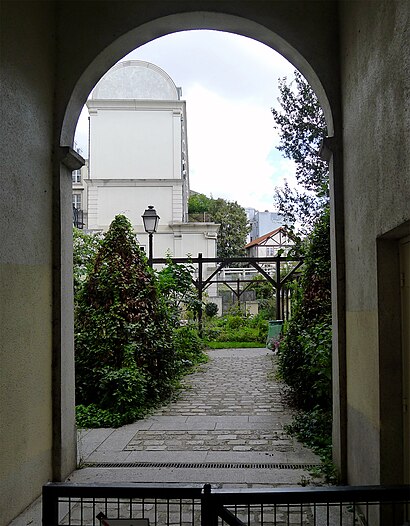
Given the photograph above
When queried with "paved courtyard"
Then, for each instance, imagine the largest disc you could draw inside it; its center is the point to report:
(226, 427)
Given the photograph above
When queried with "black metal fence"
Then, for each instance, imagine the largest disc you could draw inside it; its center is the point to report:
(197, 505)
(161, 504)
(330, 506)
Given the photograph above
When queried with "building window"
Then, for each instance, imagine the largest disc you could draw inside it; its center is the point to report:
(77, 201)
(76, 175)
(270, 251)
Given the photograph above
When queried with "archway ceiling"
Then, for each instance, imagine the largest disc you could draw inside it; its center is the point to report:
(303, 32)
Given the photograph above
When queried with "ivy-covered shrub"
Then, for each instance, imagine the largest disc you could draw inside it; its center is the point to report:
(305, 349)
(189, 347)
(85, 248)
(124, 353)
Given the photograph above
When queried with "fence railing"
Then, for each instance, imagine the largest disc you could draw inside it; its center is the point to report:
(197, 505)
(330, 506)
(162, 504)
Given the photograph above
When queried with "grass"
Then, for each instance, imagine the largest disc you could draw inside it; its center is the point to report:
(232, 345)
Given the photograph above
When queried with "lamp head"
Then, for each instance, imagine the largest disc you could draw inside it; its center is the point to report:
(150, 219)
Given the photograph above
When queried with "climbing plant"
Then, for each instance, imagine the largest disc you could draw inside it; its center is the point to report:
(85, 248)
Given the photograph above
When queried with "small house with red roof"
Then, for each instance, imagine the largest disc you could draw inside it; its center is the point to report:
(270, 244)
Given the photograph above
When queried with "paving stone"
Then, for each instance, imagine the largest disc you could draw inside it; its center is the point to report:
(231, 412)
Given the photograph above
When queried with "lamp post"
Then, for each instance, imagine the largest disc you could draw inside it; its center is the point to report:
(150, 219)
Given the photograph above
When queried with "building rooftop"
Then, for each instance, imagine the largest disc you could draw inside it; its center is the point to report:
(136, 79)
(265, 237)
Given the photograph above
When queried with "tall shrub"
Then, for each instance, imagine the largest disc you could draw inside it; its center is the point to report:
(305, 351)
(123, 350)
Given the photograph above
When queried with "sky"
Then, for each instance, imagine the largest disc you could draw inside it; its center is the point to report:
(230, 84)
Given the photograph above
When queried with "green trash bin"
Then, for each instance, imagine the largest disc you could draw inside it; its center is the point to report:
(274, 332)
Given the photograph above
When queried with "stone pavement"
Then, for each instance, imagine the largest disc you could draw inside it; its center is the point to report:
(226, 427)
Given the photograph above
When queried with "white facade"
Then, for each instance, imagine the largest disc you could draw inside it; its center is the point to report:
(138, 157)
(270, 245)
(262, 222)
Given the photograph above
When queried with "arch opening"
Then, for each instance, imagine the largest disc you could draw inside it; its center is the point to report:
(184, 22)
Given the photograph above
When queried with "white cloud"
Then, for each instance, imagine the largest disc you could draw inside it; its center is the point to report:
(229, 149)
(230, 84)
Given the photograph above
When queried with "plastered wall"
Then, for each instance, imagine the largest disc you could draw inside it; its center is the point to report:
(40, 77)
(128, 131)
(375, 90)
(27, 62)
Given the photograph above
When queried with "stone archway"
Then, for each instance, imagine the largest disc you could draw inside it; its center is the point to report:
(195, 20)
(324, 80)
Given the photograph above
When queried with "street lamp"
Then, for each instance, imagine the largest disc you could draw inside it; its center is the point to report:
(150, 219)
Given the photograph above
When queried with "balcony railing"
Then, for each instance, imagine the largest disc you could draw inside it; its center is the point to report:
(78, 217)
(196, 505)
(201, 217)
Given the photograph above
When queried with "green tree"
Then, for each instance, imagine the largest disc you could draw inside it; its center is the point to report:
(198, 203)
(232, 218)
(233, 230)
(176, 285)
(85, 248)
(123, 350)
(302, 126)
(305, 350)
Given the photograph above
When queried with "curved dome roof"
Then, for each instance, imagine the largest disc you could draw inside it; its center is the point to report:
(136, 79)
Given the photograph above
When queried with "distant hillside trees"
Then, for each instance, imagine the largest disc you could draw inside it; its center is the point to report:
(232, 218)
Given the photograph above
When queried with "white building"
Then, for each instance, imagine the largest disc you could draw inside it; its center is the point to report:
(271, 244)
(262, 222)
(139, 156)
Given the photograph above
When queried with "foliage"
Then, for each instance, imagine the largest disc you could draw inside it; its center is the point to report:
(85, 247)
(236, 328)
(199, 203)
(93, 416)
(124, 355)
(211, 309)
(314, 429)
(264, 292)
(302, 127)
(232, 218)
(189, 347)
(233, 230)
(305, 364)
(175, 284)
(234, 345)
(305, 350)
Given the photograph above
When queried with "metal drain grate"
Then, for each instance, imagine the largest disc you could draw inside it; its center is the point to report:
(198, 465)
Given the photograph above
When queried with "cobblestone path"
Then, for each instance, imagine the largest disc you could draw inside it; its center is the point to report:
(230, 413)
(225, 427)
(234, 382)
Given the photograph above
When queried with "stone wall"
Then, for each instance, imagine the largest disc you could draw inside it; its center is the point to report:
(27, 64)
(376, 122)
